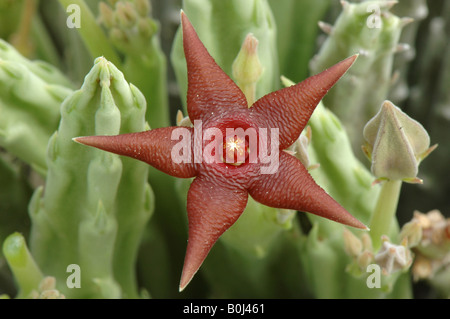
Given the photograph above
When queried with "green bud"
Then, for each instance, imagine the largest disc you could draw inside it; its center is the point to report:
(364, 259)
(300, 149)
(126, 14)
(135, 34)
(147, 27)
(396, 144)
(143, 7)
(411, 232)
(222, 27)
(353, 245)
(107, 16)
(247, 68)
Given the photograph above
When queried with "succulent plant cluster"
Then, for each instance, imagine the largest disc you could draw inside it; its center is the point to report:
(349, 98)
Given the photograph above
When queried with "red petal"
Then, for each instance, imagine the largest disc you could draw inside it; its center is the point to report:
(213, 206)
(153, 147)
(292, 187)
(208, 85)
(289, 109)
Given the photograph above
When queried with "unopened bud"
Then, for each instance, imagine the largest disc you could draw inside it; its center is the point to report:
(396, 144)
(352, 244)
(143, 7)
(300, 148)
(365, 259)
(181, 120)
(106, 15)
(422, 268)
(47, 283)
(146, 27)
(247, 68)
(412, 232)
(126, 14)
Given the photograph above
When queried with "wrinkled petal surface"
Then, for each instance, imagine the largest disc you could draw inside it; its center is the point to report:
(153, 147)
(209, 86)
(213, 206)
(292, 187)
(289, 109)
(219, 193)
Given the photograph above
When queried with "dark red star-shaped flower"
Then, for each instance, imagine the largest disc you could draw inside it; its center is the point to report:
(239, 166)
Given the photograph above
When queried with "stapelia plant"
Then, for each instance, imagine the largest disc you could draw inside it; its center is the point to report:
(228, 161)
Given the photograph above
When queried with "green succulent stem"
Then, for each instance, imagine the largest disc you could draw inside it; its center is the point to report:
(384, 213)
(22, 264)
(93, 36)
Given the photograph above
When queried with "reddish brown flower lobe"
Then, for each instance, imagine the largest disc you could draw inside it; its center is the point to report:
(218, 195)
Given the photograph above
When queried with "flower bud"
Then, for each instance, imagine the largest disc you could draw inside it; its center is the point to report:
(300, 149)
(352, 244)
(412, 231)
(126, 14)
(247, 68)
(396, 144)
(183, 120)
(435, 240)
(106, 15)
(422, 268)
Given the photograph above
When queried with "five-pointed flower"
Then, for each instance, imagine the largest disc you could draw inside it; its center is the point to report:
(218, 194)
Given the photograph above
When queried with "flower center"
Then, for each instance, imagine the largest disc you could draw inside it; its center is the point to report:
(235, 150)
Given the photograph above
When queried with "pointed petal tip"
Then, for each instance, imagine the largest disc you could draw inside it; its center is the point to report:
(186, 278)
(103, 142)
(352, 221)
(79, 139)
(183, 17)
(351, 59)
(363, 227)
(85, 140)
